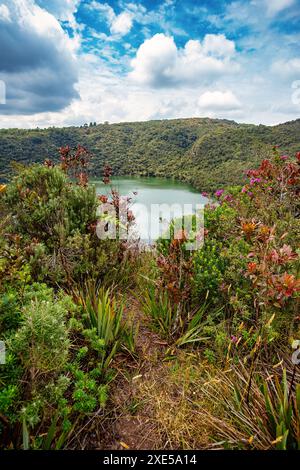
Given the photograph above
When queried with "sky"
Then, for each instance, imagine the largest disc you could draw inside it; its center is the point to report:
(70, 62)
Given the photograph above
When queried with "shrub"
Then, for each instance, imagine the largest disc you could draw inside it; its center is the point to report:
(41, 340)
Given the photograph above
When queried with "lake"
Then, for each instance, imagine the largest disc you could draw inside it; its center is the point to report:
(155, 201)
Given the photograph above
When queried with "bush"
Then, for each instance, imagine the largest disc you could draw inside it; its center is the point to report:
(42, 340)
(51, 229)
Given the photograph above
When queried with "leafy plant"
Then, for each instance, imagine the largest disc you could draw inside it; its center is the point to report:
(42, 340)
(159, 308)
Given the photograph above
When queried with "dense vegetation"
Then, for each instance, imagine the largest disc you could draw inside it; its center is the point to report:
(195, 344)
(205, 152)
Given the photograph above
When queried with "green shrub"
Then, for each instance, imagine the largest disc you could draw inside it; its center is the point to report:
(42, 340)
(209, 267)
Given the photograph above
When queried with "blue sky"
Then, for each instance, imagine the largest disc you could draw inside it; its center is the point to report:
(75, 61)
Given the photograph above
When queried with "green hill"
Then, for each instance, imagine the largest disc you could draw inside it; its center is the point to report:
(205, 152)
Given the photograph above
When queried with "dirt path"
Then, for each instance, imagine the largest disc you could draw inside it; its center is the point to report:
(134, 426)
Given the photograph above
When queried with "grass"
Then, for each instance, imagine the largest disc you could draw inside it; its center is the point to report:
(197, 405)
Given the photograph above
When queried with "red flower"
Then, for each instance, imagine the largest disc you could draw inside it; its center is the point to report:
(252, 267)
(103, 198)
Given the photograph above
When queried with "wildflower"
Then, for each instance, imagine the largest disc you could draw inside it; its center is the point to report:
(253, 173)
(103, 198)
(285, 286)
(234, 339)
(244, 189)
(248, 228)
(284, 157)
(219, 192)
(264, 232)
(255, 180)
(252, 267)
(204, 194)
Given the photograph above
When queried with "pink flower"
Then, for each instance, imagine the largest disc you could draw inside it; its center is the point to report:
(284, 157)
(244, 189)
(255, 180)
(219, 192)
(204, 194)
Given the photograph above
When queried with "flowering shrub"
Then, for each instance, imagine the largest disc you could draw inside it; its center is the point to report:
(249, 264)
(52, 220)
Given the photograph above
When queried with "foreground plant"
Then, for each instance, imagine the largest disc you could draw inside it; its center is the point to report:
(266, 418)
(105, 326)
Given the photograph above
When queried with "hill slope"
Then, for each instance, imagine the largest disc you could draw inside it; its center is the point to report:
(205, 152)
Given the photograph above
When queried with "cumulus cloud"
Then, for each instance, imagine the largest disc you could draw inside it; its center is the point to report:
(37, 61)
(219, 101)
(119, 25)
(218, 45)
(61, 9)
(159, 63)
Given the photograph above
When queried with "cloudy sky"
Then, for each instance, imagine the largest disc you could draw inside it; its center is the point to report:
(65, 62)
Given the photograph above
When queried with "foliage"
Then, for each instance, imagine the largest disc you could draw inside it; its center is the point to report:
(267, 418)
(226, 311)
(105, 328)
(245, 268)
(208, 153)
(42, 338)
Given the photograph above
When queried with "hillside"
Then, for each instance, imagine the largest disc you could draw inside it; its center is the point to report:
(110, 346)
(205, 152)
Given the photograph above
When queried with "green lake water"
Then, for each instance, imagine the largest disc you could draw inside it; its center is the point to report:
(174, 199)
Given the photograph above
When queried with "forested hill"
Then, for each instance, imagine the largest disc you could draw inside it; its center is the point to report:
(206, 152)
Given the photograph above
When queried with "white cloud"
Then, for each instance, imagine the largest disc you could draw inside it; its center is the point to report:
(289, 68)
(121, 24)
(197, 80)
(38, 62)
(159, 63)
(276, 6)
(219, 101)
(62, 9)
(4, 13)
(218, 45)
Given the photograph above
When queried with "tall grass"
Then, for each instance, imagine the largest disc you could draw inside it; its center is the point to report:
(159, 309)
(102, 313)
(103, 319)
(180, 327)
(267, 418)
